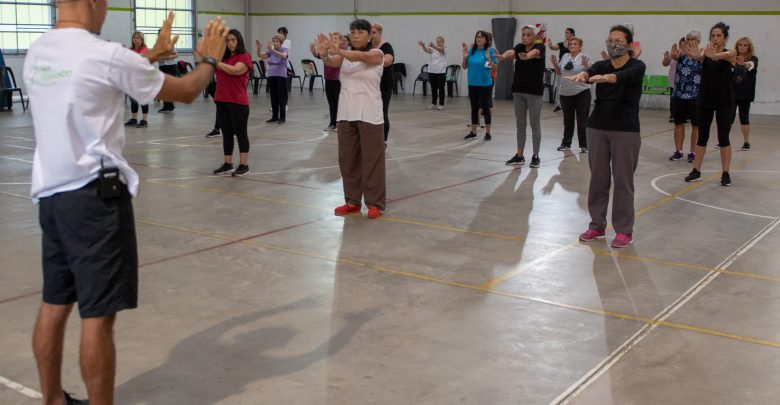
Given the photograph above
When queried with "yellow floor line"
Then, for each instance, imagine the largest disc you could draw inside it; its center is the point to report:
(441, 281)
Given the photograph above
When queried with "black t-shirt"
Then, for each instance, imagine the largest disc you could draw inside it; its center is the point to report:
(745, 81)
(387, 74)
(529, 73)
(617, 104)
(562, 50)
(716, 91)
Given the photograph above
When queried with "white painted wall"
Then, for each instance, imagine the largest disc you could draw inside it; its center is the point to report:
(655, 32)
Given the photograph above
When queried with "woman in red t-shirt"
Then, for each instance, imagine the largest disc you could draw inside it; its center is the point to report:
(233, 103)
(139, 46)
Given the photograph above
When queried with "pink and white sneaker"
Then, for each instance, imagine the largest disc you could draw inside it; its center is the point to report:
(591, 235)
(622, 240)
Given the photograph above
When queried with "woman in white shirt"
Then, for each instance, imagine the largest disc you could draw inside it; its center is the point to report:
(360, 118)
(437, 70)
(575, 96)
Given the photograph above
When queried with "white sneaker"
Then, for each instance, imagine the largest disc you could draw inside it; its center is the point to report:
(439, 107)
(430, 107)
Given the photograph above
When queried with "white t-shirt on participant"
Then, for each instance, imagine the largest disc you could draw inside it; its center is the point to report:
(438, 62)
(77, 84)
(360, 98)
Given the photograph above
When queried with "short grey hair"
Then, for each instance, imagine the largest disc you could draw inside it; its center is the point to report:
(693, 34)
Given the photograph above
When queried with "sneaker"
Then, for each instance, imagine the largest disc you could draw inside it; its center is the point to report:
(224, 169)
(584, 149)
(563, 148)
(132, 122)
(591, 235)
(534, 161)
(142, 124)
(717, 146)
(516, 160)
(439, 107)
(470, 135)
(725, 179)
(488, 137)
(745, 146)
(241, 170)
(671, 119)
(622, 240)
(272, 120)
(430, 107)
(165, 110)
(281, 121)
(691, 157)
(213, 134)
(69, 400)
(557, 108)
(374, 212)
(331, 128)
(694, 175)
(676, 156)
(346, 209)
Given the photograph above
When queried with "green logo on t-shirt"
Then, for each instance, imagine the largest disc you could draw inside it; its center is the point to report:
(44, 75)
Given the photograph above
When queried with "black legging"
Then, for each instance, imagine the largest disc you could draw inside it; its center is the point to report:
(278, 86)
(134, 107)
(480, 97)
(233, 120)
(332, 90)
(744, 112)
(723, 119)
(386, 94)
(437, 86)
(172, 70)
(212, 90)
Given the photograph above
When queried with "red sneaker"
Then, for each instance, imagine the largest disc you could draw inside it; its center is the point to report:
(591, 235)
(374, 212)
(346, 209)
(622, 240)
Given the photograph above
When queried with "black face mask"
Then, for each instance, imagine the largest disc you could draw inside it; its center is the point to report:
(568, 66)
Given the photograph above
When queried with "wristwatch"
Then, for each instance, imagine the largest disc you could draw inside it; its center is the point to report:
(209, 61)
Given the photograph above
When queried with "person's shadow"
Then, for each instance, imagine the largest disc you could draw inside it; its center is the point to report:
(224, 359)
(572, 182)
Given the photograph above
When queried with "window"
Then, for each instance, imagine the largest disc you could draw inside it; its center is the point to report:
(22, 22)
(149, 15)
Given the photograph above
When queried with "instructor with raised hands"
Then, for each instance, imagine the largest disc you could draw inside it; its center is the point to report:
(84, 186)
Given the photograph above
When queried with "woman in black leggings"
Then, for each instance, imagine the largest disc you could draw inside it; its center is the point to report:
(745, 85)
(716, 99)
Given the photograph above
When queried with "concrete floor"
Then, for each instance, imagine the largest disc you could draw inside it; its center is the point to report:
(472, 288)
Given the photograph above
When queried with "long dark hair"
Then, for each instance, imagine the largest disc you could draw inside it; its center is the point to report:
(239, 44)
(723, 28)
(488, 40)
(361, 25)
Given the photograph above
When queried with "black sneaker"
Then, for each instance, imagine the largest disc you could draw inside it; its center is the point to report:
(214, 133)
(745, 146)
(534, 161)
(516, 160)
(563, 148)
(142, 124)
(584, 149)
(694, 175)
(224, 169)
(272, 120)
(678, 155)
(241, 170)
(132, 122)
(725, 179)
(165, 110)
(557, 108)
(470, 135)
(69, 400)
(488, 137)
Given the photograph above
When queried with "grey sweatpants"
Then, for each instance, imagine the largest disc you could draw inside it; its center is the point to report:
(531, 105)
(612, 154)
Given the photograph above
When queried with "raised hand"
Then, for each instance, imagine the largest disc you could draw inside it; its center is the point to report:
(740, 60)
(420, 42)
(465, 50)
(666, 55)
(214, 39)
(270, 45)
(554, 59)
(585, 60)
(322, 42)
(549, 41)
(430, 44)
(604, 55)
(709, 51)
(164, 47)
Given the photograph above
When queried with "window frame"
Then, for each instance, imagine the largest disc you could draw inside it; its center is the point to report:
(193, 23)
(16, 3)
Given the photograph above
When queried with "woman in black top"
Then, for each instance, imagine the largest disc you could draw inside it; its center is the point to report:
(527, 90)
(613, 137)
(744, 85)
(386, 86)
(716, 98)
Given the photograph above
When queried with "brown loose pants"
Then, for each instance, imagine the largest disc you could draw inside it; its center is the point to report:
(362, 162)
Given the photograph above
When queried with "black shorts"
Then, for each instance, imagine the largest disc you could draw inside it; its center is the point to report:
(89, 251)
(684, 110)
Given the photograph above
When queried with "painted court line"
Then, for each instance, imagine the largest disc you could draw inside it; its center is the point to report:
(660, 320)
(26, 391)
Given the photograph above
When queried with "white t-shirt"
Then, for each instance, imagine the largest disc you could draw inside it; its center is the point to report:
(360, 98)
(77, 83)
(438, 62)
(288, 44)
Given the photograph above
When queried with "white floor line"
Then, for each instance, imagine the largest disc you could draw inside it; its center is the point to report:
(593, 374)
(654, 184)
(20, 388)
(17, 159)
(17, 146)
(161, 142)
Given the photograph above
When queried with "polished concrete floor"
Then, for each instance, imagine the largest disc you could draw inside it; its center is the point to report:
(471, 289)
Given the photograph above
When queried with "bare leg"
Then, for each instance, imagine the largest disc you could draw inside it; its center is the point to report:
(725, 158)
(48, 339)
(487, 128)
(242, 158)
(473, 128)
(98, 358)
(229, 159)
(699, 156)
(694, 138)
(679, 137)
(746, 133)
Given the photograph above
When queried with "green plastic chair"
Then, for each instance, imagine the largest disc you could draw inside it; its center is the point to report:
(657, 84)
